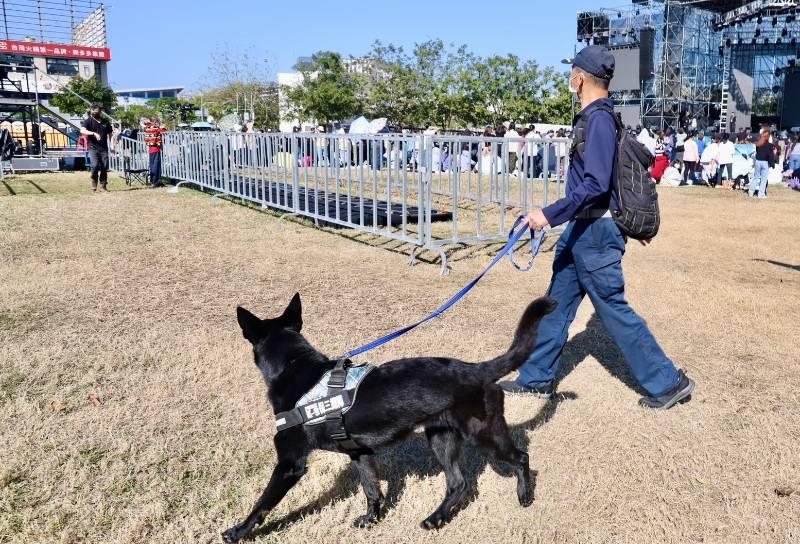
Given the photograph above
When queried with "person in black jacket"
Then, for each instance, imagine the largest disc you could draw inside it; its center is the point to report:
(98, 130)
(765, 159)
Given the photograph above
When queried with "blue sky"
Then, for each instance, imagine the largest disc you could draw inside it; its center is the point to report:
(168, 42)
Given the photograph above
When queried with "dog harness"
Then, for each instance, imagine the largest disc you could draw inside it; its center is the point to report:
(326, 402)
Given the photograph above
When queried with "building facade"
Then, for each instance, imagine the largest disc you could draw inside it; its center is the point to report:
(140, 97)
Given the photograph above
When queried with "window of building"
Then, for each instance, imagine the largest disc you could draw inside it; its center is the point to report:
(139, 94)
(169, 94)
(62, 67)
(20, 60)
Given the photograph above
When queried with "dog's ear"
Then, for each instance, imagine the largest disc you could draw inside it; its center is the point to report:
(251, 325)
(292, 317)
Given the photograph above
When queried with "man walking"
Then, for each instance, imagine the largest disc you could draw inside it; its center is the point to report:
(97, 130)
(588, 258)
(154, 141)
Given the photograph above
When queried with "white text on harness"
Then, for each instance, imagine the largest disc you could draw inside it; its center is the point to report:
(324, 406)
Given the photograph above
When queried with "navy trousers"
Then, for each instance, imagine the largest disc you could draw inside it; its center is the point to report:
(155, 168)
(588, 261)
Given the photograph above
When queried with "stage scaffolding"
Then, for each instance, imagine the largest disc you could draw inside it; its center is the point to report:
(77, 22)
(686, 65)
(699, 49)
(762, 49)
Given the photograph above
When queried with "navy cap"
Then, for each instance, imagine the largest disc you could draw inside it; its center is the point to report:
(596, 60)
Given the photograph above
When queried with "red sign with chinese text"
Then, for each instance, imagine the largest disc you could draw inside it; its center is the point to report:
(54, 50)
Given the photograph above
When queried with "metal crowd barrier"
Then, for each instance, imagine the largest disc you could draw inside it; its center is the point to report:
(429, 191)
(128, 155)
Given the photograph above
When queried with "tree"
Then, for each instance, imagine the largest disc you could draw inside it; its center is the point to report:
(90, 90)
(131, 116)
(439, 71)
(555, 104)
(501, 88)
(240, 83)
(174, 110)
(327, 91)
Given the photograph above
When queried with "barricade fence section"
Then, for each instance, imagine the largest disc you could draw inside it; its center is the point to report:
(128, 155)
(429, 191)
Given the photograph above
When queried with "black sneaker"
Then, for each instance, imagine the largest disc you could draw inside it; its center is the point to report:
(514, 389)
(681, 392)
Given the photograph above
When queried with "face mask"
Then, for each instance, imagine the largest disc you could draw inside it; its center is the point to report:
(572, 89)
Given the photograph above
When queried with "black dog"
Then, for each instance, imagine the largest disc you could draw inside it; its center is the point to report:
(451, 399)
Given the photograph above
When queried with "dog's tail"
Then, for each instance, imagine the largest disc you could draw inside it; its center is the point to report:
(523, 343)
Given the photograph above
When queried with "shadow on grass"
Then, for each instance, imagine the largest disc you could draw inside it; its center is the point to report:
(795, 267)
(454, 252)
(414, 458)
(11, 191)
(595, 341)
(38, 188)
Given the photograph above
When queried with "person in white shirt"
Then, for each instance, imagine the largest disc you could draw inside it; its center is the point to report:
(672, 175)
(513, 147)
(436, 158)
(709, 161)
(691, 156)
(465, 159)
(489, 162)
(344, 146)
(531, 151)
(647, 140)
(793, 154)
(680, 140)
(725, 157)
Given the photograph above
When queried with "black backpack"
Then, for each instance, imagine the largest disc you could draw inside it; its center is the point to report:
(638, 216)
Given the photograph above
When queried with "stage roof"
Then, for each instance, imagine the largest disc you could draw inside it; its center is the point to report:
(720, 6)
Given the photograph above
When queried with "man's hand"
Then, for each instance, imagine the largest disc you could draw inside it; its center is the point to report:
(537, 220)
(646, 242)
(96, 135)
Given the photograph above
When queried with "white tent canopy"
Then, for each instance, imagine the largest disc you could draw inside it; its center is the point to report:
(359, 126)
(362, 126)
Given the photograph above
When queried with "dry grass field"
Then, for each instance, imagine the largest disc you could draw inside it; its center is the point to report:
(131, 411)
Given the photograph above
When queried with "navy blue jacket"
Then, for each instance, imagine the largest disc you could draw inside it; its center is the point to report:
(589, 182)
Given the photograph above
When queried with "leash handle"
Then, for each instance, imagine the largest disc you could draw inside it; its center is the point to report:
(536, 244)
(513, 237)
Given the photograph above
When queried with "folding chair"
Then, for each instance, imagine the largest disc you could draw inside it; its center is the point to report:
(134, 175)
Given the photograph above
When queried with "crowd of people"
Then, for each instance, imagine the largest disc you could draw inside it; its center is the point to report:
(682, 157)
(518, 151)
(741, 161)
(686, 156)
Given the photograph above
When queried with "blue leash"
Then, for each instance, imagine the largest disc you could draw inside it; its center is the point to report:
(513, 238)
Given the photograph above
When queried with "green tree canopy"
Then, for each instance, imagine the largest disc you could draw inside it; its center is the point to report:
(451, 87)
(173, 111)
(90, 90)
(327, 92)
(131, 116)
(258, 99)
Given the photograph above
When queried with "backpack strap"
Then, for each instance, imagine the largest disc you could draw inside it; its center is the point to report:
(580, 122)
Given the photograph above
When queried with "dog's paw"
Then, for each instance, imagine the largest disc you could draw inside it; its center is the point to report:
(234, 534)
(526, 499)
(525, 493)
(434, 521)
(362, 522)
